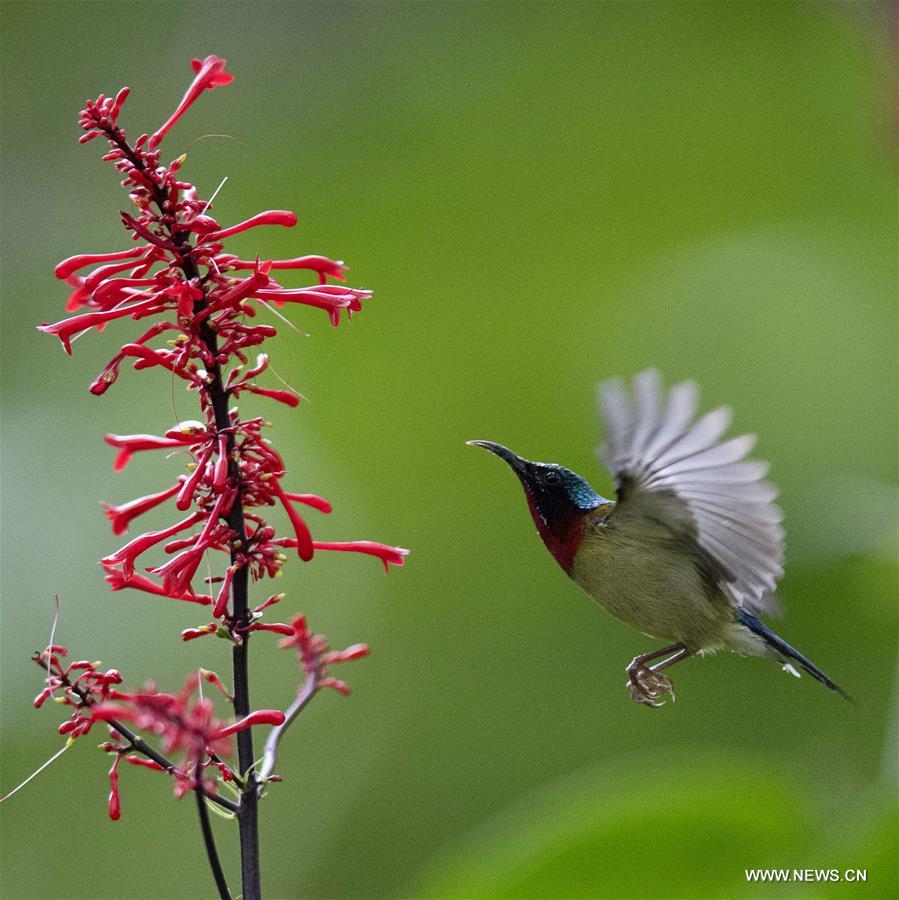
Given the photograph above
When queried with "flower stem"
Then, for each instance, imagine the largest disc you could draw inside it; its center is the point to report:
(248, 812)
(248, 817)
(209, 841)
(270, 755)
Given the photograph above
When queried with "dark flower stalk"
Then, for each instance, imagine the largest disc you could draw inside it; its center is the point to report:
(203, 303)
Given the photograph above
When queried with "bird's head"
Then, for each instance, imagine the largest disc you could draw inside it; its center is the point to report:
(561, 502)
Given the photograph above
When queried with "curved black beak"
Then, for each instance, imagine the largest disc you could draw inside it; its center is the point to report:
(517, 464)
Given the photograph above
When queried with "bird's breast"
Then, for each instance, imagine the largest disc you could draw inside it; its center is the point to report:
(652, 583)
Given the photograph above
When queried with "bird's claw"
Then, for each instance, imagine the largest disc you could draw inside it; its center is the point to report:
(648, 687)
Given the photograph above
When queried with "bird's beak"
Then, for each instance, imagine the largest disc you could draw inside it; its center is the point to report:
(517, 464)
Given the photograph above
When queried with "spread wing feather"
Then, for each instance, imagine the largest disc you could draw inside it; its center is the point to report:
(678, 471)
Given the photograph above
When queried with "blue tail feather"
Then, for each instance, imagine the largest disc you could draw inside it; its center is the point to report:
(787, 652)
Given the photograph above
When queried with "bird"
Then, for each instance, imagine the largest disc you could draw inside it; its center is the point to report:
(692, 548)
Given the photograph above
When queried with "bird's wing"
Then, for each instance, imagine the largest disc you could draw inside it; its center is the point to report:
(677, 472)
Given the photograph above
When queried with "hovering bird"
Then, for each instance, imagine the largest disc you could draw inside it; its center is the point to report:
(690, 551)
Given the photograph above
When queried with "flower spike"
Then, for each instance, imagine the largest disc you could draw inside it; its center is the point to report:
(194, 304)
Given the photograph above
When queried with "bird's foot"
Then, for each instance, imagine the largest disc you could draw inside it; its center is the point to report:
(647, 686)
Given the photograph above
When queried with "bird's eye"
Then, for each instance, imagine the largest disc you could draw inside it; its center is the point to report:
(551, 477)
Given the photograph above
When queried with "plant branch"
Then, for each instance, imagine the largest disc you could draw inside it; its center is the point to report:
(248, 817)
(209, 841)
(270, 754)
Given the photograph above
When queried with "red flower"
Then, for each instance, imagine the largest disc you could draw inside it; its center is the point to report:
(186, 726)
(125, 556)
(115, 804)
(270, 217)
(121, 516)
(388, 555)
(130, 444)
(117, 580)
(316, 655)
(210, 74)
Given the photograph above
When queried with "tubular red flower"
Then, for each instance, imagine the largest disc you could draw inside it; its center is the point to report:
(220, 475)
(388, 555)
(126, 555)
(303, 542)
(328, 297)
(101, 274)
(79, 296)
(262, 363)
(105, 712)
(340, 686)
(221, 602)
(115, 803)
(146, 358)
(179, 571)
(354, 651)
(146, 763)
(42, 697)
(74, 325)
(120, 516)
(68, 266)
(260, 717)
(335, 268)
(118, 581)
(109, 291)
(191, 634)
(129, 444)
(312, 500)
(187, 490)
(213, 679)
(189, 432)
(241, 289)
(270, 217)
(287, 397)
(276, 627)
(210, 74)
(203, 224)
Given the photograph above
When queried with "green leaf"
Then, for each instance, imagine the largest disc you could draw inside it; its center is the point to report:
(666, 831)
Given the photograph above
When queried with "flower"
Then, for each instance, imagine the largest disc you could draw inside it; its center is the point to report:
(316, 656)
(186, 725)
(210, 74)
(120, 516)
(88, 685)
(388, 555)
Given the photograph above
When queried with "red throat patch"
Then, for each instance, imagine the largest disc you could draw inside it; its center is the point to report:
(563, 534)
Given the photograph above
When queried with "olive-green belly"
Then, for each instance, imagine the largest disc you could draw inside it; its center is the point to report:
(654, 585)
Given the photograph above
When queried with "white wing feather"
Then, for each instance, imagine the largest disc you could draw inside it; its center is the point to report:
(680, 472)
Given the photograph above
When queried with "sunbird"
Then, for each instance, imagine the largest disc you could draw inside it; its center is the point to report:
(691, 550)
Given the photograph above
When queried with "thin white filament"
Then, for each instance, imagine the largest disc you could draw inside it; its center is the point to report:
(40, 769)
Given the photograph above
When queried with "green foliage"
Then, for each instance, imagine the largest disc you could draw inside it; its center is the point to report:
(650, 828)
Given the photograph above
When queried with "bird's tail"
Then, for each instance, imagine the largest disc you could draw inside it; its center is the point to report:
(785, 652)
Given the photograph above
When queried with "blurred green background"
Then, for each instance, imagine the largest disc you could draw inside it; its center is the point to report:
(541, 195)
